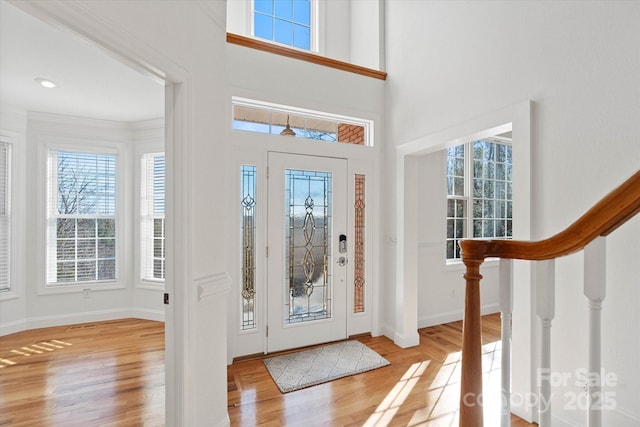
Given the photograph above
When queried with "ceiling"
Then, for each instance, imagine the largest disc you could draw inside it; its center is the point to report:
(90, 83)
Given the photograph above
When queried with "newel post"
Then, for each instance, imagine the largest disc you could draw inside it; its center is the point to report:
(471, 414)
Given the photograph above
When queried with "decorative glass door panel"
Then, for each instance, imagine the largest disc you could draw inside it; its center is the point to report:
(307, 242)
(307, 286)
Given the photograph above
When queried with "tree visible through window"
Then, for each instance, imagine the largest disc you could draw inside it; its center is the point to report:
(479, 193)
(82, 219)
(283, 21)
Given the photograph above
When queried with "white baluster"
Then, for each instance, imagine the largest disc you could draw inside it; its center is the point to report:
(595, 291)
(506, 308)
(545, 309)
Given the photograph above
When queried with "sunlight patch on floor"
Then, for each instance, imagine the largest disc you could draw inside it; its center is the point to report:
(32, 349)
(387, 409)
(444, 392)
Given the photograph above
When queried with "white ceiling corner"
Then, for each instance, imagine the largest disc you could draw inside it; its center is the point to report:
(91, 83)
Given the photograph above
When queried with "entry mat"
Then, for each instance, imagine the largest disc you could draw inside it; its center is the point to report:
(306, 368)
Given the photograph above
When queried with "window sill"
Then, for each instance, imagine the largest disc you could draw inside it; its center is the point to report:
(153, 285)
(304, 56)
(73, 288)
(9, 295)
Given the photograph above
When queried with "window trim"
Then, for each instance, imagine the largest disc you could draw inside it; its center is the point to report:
(468, 194)
(10, 289)
(150, 282)
(270, 107)
(45, 145)
(18, 197)
(53, 156)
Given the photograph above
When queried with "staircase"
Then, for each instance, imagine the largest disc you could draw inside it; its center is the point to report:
(587, 234)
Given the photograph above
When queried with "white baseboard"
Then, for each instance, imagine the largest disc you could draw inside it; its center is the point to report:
(387, 331)
(146, 314)
(619, 417)
(437, 319)
(74, 318)
(70, 319)
(411, 339)
(13, 327)
(400, 340)
(225, 422)
(622, 417)
(453, 316)
(563, 422)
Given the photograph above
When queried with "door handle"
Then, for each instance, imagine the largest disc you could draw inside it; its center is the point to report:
(342, 261)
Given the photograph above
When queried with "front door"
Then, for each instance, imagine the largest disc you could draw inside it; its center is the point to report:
(307, 273)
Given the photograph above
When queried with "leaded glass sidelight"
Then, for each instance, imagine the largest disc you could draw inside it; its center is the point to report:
(307, 242)
(248, 233)
(359, 224)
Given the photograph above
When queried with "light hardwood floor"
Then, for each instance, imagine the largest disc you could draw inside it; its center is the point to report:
(419, 388)
(95, 374)
(112, 374)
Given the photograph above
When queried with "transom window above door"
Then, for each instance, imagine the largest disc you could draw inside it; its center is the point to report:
(263, 117)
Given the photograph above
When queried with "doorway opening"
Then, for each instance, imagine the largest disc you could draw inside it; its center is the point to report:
(92, 38)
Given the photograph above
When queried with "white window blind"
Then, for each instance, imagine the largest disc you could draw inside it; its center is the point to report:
(81, 244)
(152, 229)
(5, 216)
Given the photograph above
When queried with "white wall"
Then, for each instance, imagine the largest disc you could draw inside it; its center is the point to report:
(367, 33)
(450, 62)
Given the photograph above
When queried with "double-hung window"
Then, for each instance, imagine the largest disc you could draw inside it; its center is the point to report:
(479, 193)
(81, 221)
(152, 226)
(284, 21)
(5, 215)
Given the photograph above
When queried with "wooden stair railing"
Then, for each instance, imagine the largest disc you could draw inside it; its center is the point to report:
(604, 217)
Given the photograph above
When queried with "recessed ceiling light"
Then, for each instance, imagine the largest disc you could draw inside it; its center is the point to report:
(45, 83)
